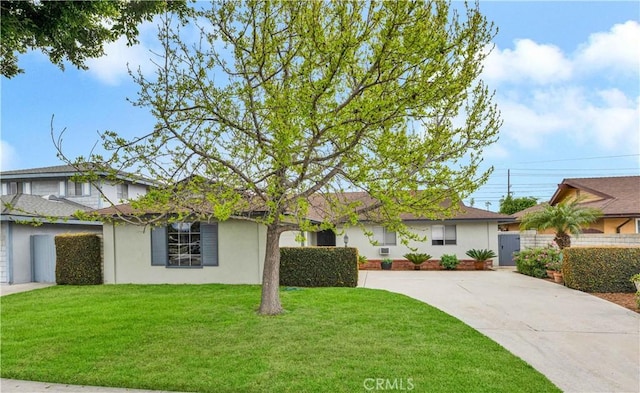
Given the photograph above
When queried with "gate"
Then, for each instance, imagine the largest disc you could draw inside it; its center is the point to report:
(508, 244)
(43, 258)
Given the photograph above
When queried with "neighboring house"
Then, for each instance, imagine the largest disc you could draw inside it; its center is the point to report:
(38, 203)
(232, 251)
(28, 225)
(617, 197)
(57, 181)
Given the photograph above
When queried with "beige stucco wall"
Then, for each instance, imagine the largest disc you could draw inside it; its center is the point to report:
(240, 251)
(469, 235)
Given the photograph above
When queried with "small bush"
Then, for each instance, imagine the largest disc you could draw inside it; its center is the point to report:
(481, 255)
(78, 259)
(601, 269)
(319, 266)
(535, 261)
(449, 261)
(417, 258)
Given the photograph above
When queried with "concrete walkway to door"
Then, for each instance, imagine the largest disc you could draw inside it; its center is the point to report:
(580, 342)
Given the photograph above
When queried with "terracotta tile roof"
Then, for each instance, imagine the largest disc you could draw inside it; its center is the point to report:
(618, 196)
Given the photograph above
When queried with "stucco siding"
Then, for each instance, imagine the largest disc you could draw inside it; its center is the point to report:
(127, 257)
(468, 235)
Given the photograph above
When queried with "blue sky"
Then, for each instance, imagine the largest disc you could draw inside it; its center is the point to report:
(566, 76)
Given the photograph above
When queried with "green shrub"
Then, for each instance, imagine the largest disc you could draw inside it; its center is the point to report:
(78, 259)
(319, 266)
(481, 255)
(417, 258)
(535, 261)
(449, 261)
(601, 269)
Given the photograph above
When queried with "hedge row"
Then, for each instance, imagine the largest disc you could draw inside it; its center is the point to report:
(319, 266)
(600, 269)
(78, 259)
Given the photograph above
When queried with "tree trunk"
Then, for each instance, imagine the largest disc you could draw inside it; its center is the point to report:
(563, 240)
(270, 300)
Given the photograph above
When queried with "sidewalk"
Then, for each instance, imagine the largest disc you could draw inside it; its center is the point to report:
(15, 386)
(8, 289)
(580, 342)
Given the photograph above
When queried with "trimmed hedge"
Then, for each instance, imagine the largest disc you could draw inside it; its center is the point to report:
(78, 259)
(319, 266)
(600, 269)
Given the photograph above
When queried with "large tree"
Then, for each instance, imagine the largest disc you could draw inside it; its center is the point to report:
(510, 205)
(565, 218)
(279, 106)
(70, 30)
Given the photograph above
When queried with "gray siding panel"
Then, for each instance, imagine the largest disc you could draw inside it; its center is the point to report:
(209, 244)
(159, 251)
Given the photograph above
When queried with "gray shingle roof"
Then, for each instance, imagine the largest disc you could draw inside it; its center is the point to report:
(59, 171)
(31, 206)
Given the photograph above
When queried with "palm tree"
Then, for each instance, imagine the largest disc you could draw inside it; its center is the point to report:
(567, 217)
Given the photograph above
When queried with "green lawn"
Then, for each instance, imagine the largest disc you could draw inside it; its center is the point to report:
(208, 338)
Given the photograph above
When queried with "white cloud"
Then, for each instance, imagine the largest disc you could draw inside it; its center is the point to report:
(527, 62)
(607, 119)
(112, 67)
(8, 157)
(618, 49)
(587, 99)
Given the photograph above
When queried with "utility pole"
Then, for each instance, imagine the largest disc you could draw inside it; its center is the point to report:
(508, 182)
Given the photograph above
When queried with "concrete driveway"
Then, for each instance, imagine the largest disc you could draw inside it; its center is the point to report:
(580, 342)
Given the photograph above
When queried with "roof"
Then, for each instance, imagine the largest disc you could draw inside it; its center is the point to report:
(23, 206)
(318, 212)
(68, 171)
(614, 196)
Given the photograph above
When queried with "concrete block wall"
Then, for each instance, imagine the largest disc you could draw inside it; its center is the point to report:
(529, 239)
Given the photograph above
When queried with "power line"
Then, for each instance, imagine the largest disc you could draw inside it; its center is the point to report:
(582, 159)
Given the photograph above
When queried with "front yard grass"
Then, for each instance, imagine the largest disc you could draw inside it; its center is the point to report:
(208, 338)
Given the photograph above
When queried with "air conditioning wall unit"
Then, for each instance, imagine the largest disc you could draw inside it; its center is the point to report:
(384, 250)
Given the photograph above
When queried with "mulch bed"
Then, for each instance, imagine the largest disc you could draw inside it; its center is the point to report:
(624, 299)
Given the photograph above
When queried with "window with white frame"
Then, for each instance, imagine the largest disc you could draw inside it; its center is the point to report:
(637, 225)
(384, 237)
(78, 189)
(443, 235)
(122, 191)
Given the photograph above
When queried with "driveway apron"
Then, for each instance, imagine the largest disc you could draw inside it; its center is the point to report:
(580, 342)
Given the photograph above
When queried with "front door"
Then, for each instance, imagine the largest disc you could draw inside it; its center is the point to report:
(326, 238)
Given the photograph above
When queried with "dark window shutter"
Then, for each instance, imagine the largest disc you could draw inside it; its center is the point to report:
(159, 251)
(209, 244)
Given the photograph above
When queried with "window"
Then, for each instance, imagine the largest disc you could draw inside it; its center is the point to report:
(637, 225)
(78, 189)
(16, 187)
(9, 188)
(384, 237)
(122, 191)
(185, 244)
(443, 234)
